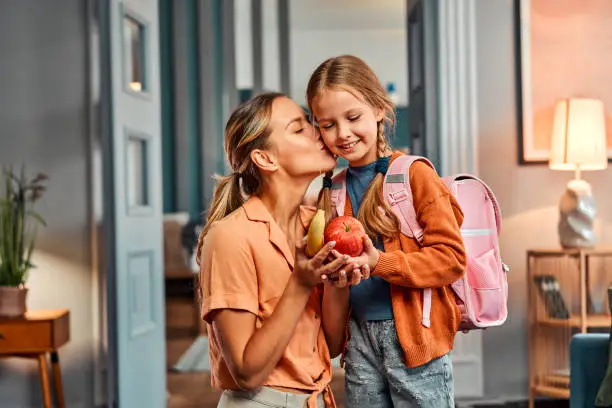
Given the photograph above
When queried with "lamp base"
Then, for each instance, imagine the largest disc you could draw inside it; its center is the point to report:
(576, 216)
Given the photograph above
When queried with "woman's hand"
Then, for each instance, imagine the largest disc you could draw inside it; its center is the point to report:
(311, 272)
(368, 258)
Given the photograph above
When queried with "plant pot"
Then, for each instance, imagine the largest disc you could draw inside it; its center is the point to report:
(13, 301)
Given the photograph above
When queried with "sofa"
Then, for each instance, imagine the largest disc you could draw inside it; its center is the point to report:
(589, 354)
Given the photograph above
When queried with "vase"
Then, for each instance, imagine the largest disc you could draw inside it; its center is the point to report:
(577, 216)
(13, 301)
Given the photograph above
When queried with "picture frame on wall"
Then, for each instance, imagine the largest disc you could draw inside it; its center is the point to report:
(561, 52)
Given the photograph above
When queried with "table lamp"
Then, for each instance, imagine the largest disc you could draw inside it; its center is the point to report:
(579, 144)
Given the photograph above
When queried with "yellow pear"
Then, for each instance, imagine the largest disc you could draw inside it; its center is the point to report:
(314, 239)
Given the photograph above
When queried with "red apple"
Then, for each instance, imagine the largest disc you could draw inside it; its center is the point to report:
(348, 234)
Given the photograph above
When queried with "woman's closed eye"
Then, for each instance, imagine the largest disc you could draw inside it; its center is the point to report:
(299, 125)
(354, 118)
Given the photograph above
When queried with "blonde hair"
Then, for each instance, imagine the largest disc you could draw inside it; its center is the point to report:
(246, 130)
(351, 74)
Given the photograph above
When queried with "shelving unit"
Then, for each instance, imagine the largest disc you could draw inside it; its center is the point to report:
(563, 291)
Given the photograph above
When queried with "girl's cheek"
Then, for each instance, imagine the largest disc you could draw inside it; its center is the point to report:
(369, 129)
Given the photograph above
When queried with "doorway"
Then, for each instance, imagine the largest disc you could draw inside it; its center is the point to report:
(443, 125)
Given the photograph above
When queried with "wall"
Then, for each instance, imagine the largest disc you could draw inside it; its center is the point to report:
(528, 194)
(244, 49)
(43, 124)
(371, 29)
(270, 45)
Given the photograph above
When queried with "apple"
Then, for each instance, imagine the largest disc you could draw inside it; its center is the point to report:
(348, 233)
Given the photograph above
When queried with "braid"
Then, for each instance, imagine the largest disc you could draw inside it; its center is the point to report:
(381, 141)
(324, 199)
(385, 224)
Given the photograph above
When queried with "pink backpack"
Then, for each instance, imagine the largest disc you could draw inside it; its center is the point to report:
(482, 292)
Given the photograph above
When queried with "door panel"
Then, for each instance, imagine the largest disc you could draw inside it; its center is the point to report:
(137, 328)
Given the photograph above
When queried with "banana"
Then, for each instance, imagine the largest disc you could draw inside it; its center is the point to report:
(314, 239)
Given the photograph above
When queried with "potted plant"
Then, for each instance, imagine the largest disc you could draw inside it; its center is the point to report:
(18, 229)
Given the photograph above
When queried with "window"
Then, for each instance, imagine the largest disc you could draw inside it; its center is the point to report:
(134, 54)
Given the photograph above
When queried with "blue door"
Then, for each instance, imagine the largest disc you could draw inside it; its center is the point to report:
(136, 300)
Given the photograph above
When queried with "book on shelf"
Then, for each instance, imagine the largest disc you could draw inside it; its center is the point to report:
(550, 291)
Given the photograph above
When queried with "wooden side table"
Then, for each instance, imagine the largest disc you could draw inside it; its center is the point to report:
(35, 335)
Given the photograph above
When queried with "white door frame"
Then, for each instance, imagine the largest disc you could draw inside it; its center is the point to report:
(458, 124)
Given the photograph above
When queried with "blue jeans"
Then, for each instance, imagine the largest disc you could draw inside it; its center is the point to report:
(377, 377)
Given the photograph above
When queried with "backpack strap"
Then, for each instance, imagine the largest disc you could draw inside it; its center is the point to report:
(397, 192)
(338, 192)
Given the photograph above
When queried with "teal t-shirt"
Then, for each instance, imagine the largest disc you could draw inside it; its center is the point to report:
(370, 299)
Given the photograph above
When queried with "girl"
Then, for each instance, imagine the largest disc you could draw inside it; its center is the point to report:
(272, 328)
(391, 359)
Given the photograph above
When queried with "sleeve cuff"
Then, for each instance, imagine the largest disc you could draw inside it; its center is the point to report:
(227, 301)
(385, 264)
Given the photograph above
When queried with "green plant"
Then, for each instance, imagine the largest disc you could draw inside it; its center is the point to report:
(18, 224)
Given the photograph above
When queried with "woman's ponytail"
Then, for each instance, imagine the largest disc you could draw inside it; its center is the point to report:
(226, 199)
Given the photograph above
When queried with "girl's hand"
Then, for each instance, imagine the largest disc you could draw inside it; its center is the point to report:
(354, 277)
(311, 272)
(369, 257)
(360, 274)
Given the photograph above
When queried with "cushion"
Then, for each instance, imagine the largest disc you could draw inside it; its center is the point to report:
(604, 396)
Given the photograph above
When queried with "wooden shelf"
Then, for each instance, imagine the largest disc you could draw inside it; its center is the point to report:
(550, 338)
(599, 251)
(552, 391)
(593, 321)
(559, 381)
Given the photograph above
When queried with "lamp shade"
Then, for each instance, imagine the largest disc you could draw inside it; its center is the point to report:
(579, 136)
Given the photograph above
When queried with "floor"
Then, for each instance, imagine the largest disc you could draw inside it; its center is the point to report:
(187, 389)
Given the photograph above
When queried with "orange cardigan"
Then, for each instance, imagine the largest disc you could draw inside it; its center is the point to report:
(409, 268)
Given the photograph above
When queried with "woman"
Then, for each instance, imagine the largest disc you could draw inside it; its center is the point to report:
(273, 324)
